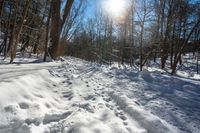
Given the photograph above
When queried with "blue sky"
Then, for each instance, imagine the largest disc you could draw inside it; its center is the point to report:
(93, 4)
(91, 7)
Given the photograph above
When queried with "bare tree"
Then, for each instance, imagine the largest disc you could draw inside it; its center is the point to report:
(57, 24)
(18, 32)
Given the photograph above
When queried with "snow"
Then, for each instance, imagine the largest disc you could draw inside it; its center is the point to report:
(153, 123)
(76, 96)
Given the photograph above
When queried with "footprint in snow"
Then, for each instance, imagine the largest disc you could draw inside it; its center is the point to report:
(54, 85)
(47, 105)
(68, 95)
(10, 108)
(123, 117)
(38, 95)
(93, 99)
(90, 97)
(48, 118)
(58, 75)
(125, 123)
(87, 107)
(117, 111)
(100, 105)
(35, 121)
(130, 130)
(109, 106)
(67, 82)
(107, 99)
(24, 105)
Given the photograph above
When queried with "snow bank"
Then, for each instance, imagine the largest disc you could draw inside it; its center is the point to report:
(28, 99)
(152, 123)
(145, 74)
(82, 97)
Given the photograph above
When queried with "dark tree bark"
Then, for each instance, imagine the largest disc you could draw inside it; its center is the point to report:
(47, 35)
(12, 36)
(165, 43)
(1, 7)
(172, 46)
(14, 46)
(57, 23)
(183, 46)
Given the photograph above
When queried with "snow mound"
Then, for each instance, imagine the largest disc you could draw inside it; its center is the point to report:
(28, 99)
(77, 96)
(152, 123)
(145, 74)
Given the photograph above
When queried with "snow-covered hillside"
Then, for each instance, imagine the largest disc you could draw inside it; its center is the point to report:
(76, 96)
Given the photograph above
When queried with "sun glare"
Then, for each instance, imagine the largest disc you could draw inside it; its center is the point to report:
(115, 8)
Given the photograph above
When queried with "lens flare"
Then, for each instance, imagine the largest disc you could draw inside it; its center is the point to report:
(115, 8)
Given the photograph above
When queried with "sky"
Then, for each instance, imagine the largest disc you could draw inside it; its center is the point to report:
(92, 4)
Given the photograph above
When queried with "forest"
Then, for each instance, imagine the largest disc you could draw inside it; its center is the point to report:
(99, 66)
(143, 31)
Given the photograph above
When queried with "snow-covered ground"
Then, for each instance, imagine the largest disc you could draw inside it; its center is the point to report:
(76, 96)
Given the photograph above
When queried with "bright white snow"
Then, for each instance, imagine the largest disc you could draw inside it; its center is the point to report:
(76, 96)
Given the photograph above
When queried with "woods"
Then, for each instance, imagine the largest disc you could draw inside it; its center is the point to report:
(99, 66)
(23, 25)
(162, 31)
(148, 30)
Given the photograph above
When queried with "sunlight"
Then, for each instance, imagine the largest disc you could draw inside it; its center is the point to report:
(115, 8)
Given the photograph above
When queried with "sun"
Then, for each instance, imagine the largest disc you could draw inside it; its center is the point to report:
(115, 8)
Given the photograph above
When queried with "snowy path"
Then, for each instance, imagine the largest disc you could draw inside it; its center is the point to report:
(15, 70)
(98, 99)
(81, 97)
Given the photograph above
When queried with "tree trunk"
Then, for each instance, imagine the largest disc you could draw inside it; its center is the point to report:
(183, 46)
(12, 36)
(35, 48)
(197, 62)
(57, 24)
(165, 45)
(47, 35)
(1, 7)
(55, 28)
(172, 46)
(14, 47)
(141, 47)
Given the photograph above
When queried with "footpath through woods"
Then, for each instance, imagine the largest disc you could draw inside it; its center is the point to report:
(76, 96)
